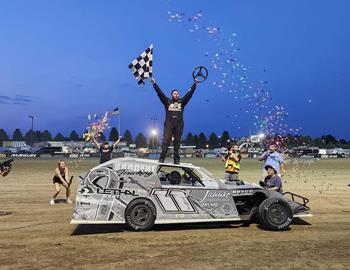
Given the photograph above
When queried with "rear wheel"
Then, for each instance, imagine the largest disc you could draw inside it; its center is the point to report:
(254, 215)
(140, 215)
(275, 214)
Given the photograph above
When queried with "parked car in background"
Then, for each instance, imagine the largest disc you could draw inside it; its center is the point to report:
(49, 151)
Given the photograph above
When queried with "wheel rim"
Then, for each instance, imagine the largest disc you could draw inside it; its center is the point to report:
(141, 215)
(277, 214)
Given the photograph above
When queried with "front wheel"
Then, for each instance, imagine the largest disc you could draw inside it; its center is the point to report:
(140, 215)
(275, 214)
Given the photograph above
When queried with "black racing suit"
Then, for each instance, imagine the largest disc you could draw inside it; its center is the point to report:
(173, 124)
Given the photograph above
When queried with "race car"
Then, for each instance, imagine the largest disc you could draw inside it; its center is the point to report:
(141, 193)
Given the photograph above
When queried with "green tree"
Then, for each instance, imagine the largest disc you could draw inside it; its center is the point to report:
(128, 137)
(17, 135)
(329, 139)
(202, 141)
(307, 140)
(190, 139)
(225, 138)
(213, 141)
(114, 135)
(141, 140)
(3, 135)
(74, 136)
(32, 136)
(195, 141)
(37, 136)
(46, 136)
(319, 143)
(59, 137)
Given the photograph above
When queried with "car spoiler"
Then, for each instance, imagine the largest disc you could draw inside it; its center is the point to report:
(299, 204)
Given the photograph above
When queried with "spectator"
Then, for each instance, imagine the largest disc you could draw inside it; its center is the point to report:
(105, 150)
(274, 159)
(232, 165)
(61, 178)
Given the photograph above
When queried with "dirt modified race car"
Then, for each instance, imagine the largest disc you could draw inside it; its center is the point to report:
(142, 193)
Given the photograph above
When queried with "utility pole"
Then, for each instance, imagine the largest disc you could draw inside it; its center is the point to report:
(32, 129)
(119, 123)
(154, 133)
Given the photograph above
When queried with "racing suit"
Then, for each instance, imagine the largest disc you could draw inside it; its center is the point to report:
(173, 124)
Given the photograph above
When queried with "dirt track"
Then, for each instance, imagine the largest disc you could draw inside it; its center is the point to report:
(36, 235)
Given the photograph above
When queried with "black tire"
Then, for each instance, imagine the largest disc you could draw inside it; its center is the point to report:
(140, 215)
(254, 215)
(275, 214)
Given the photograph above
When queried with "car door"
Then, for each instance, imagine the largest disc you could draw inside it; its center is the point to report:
(192, 198)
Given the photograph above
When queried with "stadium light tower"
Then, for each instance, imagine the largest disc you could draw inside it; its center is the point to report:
(261, 136)
(154, 134)
(32, 129)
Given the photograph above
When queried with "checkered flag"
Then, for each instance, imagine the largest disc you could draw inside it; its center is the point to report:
(141, 67)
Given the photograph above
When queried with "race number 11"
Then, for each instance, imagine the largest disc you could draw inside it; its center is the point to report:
(174, 201)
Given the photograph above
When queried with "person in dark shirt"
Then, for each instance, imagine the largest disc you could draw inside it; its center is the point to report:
(173, 124)
(272, 181)
(61, 178)
(105, 150)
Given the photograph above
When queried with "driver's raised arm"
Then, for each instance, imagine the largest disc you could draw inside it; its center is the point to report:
(159, 92)
(189, 94)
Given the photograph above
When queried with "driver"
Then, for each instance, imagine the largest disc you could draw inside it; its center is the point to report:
(272, 181)
(173, 124)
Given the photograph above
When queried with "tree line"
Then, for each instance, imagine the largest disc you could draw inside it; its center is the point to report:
(201, 141)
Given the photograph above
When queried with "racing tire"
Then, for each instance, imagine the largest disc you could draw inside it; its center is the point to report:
(140, 215)
(275, 214)
(254, 215)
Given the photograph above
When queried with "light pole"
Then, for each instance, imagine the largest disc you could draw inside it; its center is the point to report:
(154, 138)
(154, 131)
(32, 129)
(261, 136)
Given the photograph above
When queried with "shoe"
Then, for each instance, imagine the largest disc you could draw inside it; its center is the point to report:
(52, 201)
(176, 162)
(69, 201)
(161, 160)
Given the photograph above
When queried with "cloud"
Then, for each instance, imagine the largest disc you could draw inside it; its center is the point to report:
(17, 99)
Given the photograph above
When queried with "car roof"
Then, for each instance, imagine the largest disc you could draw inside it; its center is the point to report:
(132, 160)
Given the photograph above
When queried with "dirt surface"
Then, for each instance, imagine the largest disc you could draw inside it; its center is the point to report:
(36, 235)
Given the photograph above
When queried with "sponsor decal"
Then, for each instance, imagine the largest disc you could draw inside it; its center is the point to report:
(175, 107)
(210, 206)
(135, 167)
(24, 155)
(227, 208)
(242, 191)
(86, 191)
(116, 192)
(214, 195)
(124, 172)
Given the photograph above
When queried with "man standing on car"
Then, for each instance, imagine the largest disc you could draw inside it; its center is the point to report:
(105, 150)
(274, 159)
(173, 124)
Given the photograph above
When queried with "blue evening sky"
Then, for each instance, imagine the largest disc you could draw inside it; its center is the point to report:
(61, 60)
